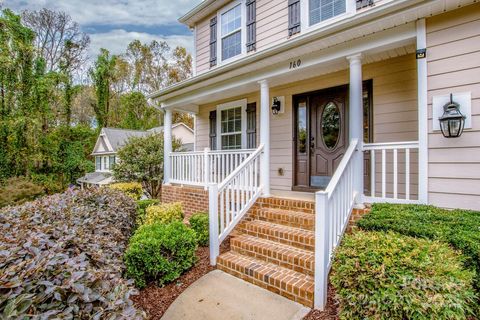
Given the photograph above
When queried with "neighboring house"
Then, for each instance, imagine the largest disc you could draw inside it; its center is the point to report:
(111, 140)
(319, 107)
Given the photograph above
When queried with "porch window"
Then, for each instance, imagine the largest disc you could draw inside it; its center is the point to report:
(232, 125)
(231, 32)
(231, 128)
(321, 10)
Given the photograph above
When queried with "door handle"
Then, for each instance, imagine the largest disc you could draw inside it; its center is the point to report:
(312, 143)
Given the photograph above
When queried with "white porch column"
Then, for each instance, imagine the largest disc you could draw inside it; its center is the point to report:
(356, 119)
(265, 136)
(167, 144)
(422, 115)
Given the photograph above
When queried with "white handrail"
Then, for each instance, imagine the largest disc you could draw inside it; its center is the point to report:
(231, 199)
(333, 207)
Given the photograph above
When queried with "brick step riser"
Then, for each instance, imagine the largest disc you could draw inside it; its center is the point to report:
(300, 242)
(278, 286)
(287, 219)
(285, 204)
(302, 264)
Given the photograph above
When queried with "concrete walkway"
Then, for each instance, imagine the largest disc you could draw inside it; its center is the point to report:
(218, 295)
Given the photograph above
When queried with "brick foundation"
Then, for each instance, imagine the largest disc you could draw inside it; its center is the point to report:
(356, 215)
(193, 199)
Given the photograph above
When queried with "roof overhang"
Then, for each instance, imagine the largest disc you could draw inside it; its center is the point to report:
(392, 17)
(200, 12)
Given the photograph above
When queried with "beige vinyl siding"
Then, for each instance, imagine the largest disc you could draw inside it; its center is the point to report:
(203, 45)
(453, 42)
(271, 24)
(395, 115)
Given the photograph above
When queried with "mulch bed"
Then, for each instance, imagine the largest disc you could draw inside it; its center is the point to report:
(331, 309)
(155, 300)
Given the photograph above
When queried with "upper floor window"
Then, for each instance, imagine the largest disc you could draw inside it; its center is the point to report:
(321, 10)
(318, 13)
(231, 32)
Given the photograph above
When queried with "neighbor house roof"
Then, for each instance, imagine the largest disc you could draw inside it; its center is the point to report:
(118, 137)
(98, 178)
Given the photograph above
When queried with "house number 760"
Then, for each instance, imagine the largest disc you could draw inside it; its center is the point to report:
(295, 64)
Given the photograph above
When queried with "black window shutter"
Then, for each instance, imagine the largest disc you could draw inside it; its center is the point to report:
(213, 130)
(364, 3)
(293, 17)
(213, 42)
(251, 25)
(252, 125)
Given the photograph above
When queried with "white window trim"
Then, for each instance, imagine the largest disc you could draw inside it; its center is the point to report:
(230, 105)
(104, 162)
(243, 32)
(351, 10)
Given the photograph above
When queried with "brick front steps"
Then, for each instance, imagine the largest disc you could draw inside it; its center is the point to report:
(272, 247)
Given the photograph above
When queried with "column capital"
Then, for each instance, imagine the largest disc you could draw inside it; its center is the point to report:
(263, 83)
(355, 58)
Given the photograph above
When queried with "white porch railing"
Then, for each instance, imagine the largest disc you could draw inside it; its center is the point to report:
(393, 172)
(333, 207)
(231, 199)
(200, 168)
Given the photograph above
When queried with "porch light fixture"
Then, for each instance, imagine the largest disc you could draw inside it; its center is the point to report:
(452, 121)
(276, 105)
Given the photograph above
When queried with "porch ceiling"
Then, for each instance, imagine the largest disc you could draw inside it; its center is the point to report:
(376, 47)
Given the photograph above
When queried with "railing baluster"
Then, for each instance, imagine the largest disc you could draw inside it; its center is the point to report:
(372, 172)
(407, 174)
(395, 174)
(384, 173)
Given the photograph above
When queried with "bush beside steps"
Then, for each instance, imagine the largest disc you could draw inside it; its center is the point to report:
(384, 275)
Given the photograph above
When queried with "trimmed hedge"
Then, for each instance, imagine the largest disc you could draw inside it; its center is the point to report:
(380, 275)
(199, 223)
(460, 228)
(164, 213)
(160, 252)
(132, 189)
(142, 206)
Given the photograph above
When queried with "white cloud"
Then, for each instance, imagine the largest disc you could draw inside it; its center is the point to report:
(113, 12)
(116, 41)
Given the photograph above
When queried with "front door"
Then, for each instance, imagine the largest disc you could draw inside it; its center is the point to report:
(321, 136)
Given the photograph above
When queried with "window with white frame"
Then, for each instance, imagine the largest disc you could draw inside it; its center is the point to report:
(232, 125)
(321, 10)
(98, 163)
(231, 32)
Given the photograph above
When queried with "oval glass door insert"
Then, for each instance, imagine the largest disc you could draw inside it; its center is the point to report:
(330, 125)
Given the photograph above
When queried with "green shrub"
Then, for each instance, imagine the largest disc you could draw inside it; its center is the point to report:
(460, 228)
(164, 213)
(132, 189)
(160, 252)
(380, 275)
(19, 190)
(142, 205)
(199, 223)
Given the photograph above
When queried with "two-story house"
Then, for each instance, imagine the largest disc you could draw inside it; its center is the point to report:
(308, 109)
(110, 140)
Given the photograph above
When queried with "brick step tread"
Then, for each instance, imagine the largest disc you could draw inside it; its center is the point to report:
(300, 238)
(288, 283)
(274, 252)
(290, 218)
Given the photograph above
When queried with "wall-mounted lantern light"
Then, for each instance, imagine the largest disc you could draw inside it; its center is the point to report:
(452, 121)
(276, 105)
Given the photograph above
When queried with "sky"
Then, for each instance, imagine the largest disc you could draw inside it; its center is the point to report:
(112, 24)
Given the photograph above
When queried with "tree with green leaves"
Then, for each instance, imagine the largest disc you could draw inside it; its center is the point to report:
(141, 160)
(102, 75)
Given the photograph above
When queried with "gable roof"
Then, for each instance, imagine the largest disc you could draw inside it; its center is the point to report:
(119, 137)
(113, 139)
